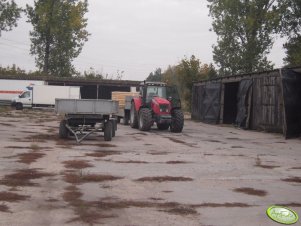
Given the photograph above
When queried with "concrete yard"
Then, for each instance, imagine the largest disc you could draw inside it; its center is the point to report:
(207, 175)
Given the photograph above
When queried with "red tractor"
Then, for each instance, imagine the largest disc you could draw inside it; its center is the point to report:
(157, 103)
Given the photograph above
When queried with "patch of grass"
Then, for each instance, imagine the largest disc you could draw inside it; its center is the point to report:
(34, 147)
(89, 178)
(259, 164)
(251, 191)
(77, 164)
(11, 197)
(164, 178)
(23, 177)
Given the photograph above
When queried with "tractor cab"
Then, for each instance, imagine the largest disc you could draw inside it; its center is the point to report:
(150, 90)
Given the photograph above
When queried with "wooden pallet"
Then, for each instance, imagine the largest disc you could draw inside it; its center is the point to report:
(120, 97)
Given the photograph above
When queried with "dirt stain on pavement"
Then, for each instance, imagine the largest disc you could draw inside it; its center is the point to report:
(77, 164)
(105, 145)
(29, 157)
(251, 191)
(11, 197)
(23, 177)
(176, 162)
(88, 178)
(295, 168)
(182, 210)
(100, 154)
(132, 161)
(153, 152)
(292, 179)
(163, 179)
(4, 208)
(84, 211)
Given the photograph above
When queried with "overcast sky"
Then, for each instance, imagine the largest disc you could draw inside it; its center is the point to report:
(134, 36)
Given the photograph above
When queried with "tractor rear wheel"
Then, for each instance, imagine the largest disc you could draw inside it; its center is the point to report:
(133, 116)
(162, 126)
(145, 119)
(177, 121)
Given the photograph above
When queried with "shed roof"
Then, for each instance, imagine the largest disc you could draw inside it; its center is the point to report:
(77, 80)
(243, 75)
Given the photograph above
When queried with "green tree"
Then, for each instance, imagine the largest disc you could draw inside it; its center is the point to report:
(155, 76)
(58, 34)
(291, 27)
(244, 29)
(183, 75)
(9, 14)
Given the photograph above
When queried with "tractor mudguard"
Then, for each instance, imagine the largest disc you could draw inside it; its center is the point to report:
(137, 103)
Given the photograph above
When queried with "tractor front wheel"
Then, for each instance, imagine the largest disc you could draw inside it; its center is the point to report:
(177, 121)
(145, 119)
(133, 116)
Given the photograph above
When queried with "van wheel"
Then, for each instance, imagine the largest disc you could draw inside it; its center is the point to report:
(19, 106)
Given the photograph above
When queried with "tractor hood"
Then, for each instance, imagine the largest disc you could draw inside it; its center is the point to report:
(160, 101)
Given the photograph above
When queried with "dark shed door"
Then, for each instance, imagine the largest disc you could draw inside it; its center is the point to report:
(243, 103)
(211, 103)
(291, 82)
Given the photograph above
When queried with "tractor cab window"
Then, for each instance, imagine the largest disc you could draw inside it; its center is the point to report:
(25, 94)
(155, 91)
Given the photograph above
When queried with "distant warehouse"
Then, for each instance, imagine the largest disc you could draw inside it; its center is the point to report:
(268, 101)
(89, 88)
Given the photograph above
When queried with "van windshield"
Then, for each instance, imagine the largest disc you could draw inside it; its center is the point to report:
(25, 94)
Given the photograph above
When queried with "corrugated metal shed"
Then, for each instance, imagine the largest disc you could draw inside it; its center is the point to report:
(269, 101)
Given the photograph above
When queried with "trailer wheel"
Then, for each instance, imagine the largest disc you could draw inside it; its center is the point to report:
(133, 116)
(145, 119)
(177, 121)
(108, 131)
(63, 131)
(19, 106)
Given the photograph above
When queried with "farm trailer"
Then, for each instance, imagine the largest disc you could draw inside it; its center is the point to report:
(84, 117)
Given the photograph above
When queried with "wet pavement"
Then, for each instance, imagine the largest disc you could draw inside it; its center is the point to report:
(207, 175)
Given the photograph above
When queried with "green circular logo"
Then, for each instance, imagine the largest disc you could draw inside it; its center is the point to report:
(282, 215)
